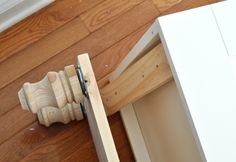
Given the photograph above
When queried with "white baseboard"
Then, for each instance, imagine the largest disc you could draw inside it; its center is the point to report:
(13, 11)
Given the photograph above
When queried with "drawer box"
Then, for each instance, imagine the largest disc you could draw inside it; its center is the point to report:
(191, 118)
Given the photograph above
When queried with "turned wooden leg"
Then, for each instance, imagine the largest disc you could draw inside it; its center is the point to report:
(56, 98)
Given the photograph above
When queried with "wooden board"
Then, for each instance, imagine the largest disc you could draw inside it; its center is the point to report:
(165, 126)
(96, 114)
(146, 74)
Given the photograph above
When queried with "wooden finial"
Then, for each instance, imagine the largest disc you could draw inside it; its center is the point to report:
(56, 98)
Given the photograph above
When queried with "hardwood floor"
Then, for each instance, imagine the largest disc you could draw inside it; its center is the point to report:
(51, 39)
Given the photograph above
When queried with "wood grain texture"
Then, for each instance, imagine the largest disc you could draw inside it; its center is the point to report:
(24, 138)
(148, 73)
(41, 24)
(163, 5)
(61, 142)
(14, 121)
(42, 50)
(106, 12)
(96, 114)
(9, 98)
(187, 4)
(116, 53)
(115, 30)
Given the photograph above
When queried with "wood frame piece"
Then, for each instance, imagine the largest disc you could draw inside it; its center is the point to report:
(148, 40)
(96, 115)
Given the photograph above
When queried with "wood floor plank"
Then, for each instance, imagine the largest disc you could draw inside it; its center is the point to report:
(42, 50)
(35, 136)
(58, 142)
(116, 30)
(62, 145)
(120, 140)
(101, 40)
(40, 24)
(8, 94)
(106, 12)
(14, 121)
(187, 4)
(163, 5)
(116, 53)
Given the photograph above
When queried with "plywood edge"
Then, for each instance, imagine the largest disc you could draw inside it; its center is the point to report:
(134, 134)
(132, 127)
(99, 126)
(149, 39)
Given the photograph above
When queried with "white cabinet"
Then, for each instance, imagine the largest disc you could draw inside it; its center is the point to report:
(193, 117)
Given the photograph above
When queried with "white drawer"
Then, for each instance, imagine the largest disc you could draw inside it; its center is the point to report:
(191, 118)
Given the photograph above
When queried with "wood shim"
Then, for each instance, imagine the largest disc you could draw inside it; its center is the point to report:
(148, 73)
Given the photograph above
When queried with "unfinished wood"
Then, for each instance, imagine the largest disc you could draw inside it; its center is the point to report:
(147, 74)
(34, 137)
(9, 98)
(106, 12)
(165, 126)
(139, 147)
(39, 25)
(149, 39)
(120, 139)
(55, 98)
(163, 5)
(41, 51)
(96, 114)
(146, 12)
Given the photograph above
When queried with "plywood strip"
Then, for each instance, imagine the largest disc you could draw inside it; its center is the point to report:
(96, 115)
(147, 74)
